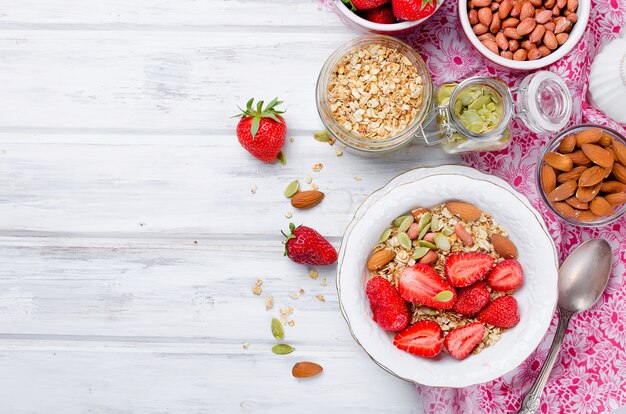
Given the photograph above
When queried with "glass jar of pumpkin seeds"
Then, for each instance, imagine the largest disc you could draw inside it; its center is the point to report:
(474, 115)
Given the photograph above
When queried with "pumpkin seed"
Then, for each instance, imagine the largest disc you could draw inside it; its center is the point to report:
(429, 311)
(282, 349)
(406, 223)
(292, 188)
(277, 329)
(434, 224)
(321, 136)
(424, 221)
(442, 242)
(281, 158)
(424, 243)
(420, 252)
(404, 240)
(385, 236)
(444, 296)
(423, 233)
(447, 232)
(397, 221)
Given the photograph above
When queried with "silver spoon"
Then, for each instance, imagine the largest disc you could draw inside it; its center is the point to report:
(582, 279)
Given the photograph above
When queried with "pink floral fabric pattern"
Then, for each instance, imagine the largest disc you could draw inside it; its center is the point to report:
(590, 374)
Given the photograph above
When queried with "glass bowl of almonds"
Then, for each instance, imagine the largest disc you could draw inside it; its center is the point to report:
(373, 94)
(581, 175)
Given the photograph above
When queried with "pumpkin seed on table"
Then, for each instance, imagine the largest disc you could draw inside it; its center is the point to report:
(406, 223)
(420, 252)
(397, 221)
(292, 188)
(282, 349)
(404, 240)
(277, 329)
(385, 236)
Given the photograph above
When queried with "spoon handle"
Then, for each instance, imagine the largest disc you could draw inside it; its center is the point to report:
(530, 404)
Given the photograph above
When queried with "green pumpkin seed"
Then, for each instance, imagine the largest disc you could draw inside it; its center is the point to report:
(429, 311)
(397, 221)
(282, 349)
(423, 233)
(420, 252)
(385, 236)
(424, 243)
(447, 232)
(442, 242)
(404, 240)
(281, 158)
(292, 188)
(277, 329)
(424, 221)
(434, 224)
(406, 223)
(321, 136)
(444, 296)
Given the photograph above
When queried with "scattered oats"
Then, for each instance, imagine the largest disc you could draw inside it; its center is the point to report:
(324, 282)
(269, 302)
(338, 152)
(313, 274)
(259, 282)
(318, 167)
(245, 345)
(301, 291)
(288, 214)
(289, 310)
(320, 298)
(256, 290)
(308, 179)
(294, 295)
(283, 319)
(292, 139)
(315, 187)
(357, 178)
(253, 189)
(291, 323)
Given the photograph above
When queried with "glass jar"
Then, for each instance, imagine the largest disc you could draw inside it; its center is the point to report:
(465, 123)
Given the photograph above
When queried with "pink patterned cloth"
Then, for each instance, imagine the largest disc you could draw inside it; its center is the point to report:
(590, 375)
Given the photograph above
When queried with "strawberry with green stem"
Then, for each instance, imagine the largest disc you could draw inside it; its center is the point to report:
(304, 245)
(262, 130)
(413, 9)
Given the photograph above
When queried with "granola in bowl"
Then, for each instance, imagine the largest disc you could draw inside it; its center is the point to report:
(444, 277)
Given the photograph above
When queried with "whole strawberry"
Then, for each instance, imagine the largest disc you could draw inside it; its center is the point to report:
(368, 4)
(388, 308)
(262, 131)
(413, 9)
(306, 246)
(382, 15)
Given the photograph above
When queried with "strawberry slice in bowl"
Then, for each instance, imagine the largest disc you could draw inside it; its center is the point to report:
(423, 338)
(460, 342)
(507, 276)
(421, 284)
(463, 269)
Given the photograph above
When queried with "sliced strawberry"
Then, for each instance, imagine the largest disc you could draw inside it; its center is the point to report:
(425, 338)
(463, 269)
(421, 284)
(390, 310)
(460, 342)
(470, 300)
(508, 275)
(501, 312)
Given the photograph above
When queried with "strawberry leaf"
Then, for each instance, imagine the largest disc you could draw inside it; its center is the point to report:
(349, 5)
(256, 122)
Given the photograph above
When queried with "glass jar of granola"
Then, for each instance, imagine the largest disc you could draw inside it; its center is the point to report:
(474, 115)
(373, 94)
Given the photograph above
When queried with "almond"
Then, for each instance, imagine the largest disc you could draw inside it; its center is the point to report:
(619, 171)
(579, 158)
(496, 24)
(511, 33)
(616, 199)
(606, 140)
(600, 207)
(587, 216)
(510, 22)
(572, 175)
(558, 161)
(472, 15)
(613, 187)
(466, 211)
(588, 136)
(586, 194)
(306, 369)
(548, 178)
(598, 155)
(527, 11)
(574, 202)
(543, 16)
(463, 234)
(504, 246)
(307, 199)
(619, 150)
(562, 38)
(565, 190)
(566, 210)
(379, 259)
(591, 176)
(535, 37)
(526, 25)
(418, 213)
(485, 15)
(505, 9)
(549, 39)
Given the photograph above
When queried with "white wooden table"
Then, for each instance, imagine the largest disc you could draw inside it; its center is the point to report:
(129, 235)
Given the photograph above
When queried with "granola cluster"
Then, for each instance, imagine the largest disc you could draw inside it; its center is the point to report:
(375, 92)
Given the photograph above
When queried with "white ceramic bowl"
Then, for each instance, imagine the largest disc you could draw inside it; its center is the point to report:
(536, 298)
(357, 22)
(584, 8)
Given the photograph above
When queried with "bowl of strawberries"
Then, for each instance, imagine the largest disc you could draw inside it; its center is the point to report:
(448, 279)
(385, 16)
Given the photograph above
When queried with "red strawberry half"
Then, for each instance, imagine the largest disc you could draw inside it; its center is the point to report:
(425, 338)
(508, 275)
(413, 9)
(501, 312)
(368, 4)
(460, 342)
(470, 300)
(389, 309)
(463, 269)
(382, 15)
(306, 246)
(421, 284)
(262, 131)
